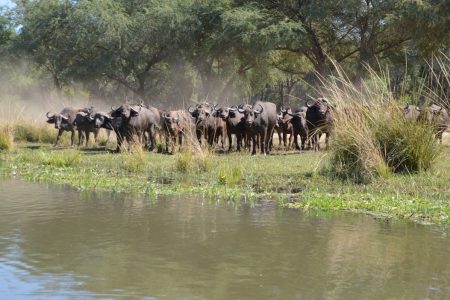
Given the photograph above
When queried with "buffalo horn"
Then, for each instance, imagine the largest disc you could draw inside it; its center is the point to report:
(114, 108)
(49, 116)
(233, 108)
(259, 111)
(136, 111)
(64, 117)
(191, 109)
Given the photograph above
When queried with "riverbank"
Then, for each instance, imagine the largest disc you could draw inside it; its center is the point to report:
(293, 179)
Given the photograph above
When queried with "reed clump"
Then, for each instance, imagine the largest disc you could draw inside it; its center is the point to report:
(371, 136)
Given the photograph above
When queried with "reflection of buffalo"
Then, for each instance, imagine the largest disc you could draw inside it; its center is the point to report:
(64, 121)
(175, 124)
(260, 121)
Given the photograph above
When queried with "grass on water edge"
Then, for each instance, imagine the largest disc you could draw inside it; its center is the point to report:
(295, 180)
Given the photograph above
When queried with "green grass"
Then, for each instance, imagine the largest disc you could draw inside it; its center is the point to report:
(295, 180)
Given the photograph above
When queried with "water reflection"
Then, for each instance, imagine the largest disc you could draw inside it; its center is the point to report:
(56, 243)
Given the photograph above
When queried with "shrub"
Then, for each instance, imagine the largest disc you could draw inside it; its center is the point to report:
(229, 175)
(371, 136)
(183, 161)
(6, 138)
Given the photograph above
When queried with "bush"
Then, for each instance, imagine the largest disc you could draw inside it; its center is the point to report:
(26, 132)
(371, 137)
(6, 138)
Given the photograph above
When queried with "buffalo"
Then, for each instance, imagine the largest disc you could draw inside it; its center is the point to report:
(175, 124)
(260, 121)
(216, 128)
(135, 120)
(85, 123)
(64, 121)
(299, 126)
(285, 127)
(411, 112)
(235, 122)
(437, 116)
(201, 114)
(319, 119)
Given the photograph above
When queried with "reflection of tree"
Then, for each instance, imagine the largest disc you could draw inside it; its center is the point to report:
(191, 248)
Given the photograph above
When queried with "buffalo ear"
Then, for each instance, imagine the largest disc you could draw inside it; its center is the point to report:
(309, 104)
(51, 120)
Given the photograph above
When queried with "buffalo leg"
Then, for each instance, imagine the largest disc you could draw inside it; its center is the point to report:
(72, 138)
(297, 147)
(230, 142)
(87, 133)
(254, 144)
(58, 138)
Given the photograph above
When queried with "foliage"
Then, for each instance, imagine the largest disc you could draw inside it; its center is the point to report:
(225, 50)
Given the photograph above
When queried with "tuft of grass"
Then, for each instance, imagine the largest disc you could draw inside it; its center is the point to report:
(183, 161)
(371, 137)
(6, 138)
(135, 161)
(60, 159)
(230, 175)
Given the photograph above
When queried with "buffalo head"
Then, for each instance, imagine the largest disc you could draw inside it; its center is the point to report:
(125, 111)
(250, 113)
(57, 119)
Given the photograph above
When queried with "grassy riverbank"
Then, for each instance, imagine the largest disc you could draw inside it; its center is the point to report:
(296, 180)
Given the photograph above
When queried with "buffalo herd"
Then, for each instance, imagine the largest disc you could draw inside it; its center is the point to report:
(253, 125)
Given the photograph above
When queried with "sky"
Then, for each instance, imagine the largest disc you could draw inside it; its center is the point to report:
(6, 3)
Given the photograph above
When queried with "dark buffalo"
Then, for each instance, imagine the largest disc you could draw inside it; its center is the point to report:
(175, 124)
(299, 126)
(64, 122)
(260, 121)
(216, 128)
(319, 119)
(201, 114)
(235, 122)
(437, 116)
(85, 123)
(135, 120)
(285, 127)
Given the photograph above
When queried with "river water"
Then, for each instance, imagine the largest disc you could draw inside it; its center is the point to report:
(56, 243)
